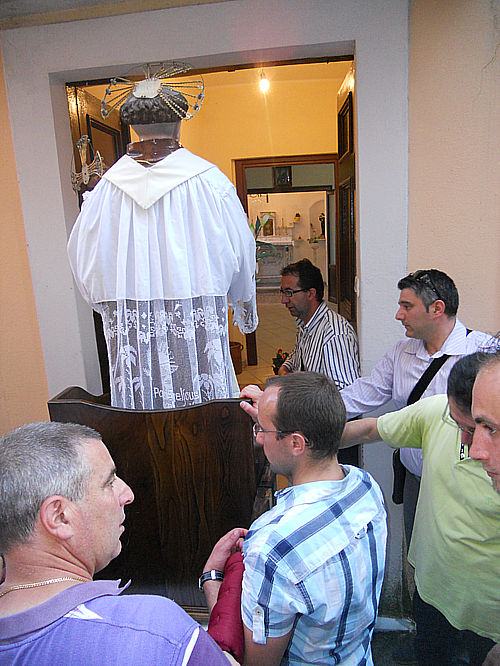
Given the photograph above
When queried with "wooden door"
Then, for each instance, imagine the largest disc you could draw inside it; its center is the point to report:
(346, 251)
(346, 220)
(331, 245)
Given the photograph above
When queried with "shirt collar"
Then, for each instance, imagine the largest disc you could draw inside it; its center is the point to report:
(145, 185)
(314, 490)
(38, 617)
(315, 319)
(454, 345)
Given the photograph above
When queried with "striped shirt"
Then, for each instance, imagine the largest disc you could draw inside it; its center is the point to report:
(326, 344)
(314, 563)
(400, 369)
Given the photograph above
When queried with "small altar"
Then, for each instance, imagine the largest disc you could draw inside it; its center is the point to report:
(272, 259)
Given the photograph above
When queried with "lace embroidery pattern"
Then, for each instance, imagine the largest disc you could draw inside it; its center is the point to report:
(168, 353)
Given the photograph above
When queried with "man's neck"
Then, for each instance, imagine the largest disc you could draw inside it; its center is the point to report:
(317, 470)
(436, 340)
(31, 571)
(312, 312)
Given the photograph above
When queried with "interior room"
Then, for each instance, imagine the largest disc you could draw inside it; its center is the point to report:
(301, 219)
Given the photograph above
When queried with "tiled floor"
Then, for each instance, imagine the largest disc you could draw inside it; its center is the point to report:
(276, 329)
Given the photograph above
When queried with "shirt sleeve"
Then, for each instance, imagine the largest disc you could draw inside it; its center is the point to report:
(367, 393)
(406, 427)
(203, 650)
(242, 294)
(270, 601)
(291, 363)
(341, 359)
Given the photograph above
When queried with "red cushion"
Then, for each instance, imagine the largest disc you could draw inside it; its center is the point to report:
(225, 625)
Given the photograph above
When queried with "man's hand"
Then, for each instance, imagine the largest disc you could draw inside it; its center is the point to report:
(223, 549)
(225, 546)
(283, 370)
(254, 394)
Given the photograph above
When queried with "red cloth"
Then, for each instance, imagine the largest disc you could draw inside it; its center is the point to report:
(225, 625)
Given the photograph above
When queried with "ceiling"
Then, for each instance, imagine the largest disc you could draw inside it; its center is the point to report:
(22, 13)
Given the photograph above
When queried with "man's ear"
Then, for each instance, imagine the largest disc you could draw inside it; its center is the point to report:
(55, 515)
(438, 307)
(312, 293)
(297, 444)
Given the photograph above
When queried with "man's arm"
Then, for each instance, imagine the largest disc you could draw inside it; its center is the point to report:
(341, 359)
(363, 431)
(269, 654)
(368, 393)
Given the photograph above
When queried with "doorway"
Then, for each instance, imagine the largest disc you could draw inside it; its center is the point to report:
(297, 117)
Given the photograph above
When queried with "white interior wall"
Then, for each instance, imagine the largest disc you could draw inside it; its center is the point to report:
(39, 60)
(309, 205)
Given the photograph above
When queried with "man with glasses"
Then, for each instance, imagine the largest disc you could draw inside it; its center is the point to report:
(486, 442)
(428, 306)
(456, 538)
(486, 414)
(314, 563)
(325, 342)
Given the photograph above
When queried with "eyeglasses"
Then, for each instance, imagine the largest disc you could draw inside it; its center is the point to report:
(447, 418)
(258, 428)
(425, 278)
(288, 293)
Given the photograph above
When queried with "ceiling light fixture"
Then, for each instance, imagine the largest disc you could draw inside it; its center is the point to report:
(264, 82)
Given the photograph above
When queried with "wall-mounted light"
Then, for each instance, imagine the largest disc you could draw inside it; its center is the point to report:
(264, 82)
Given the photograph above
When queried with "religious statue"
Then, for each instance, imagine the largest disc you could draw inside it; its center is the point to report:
(160, 247)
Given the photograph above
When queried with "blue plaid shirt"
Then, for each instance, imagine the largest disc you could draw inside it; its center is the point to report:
(315, 563)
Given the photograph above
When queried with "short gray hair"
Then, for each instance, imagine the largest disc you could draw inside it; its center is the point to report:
(36, 461)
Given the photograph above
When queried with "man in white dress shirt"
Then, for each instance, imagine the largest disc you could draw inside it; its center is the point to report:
(428, 305)
(160, 246)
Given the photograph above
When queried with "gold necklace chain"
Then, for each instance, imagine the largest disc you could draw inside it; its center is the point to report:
(25, 586)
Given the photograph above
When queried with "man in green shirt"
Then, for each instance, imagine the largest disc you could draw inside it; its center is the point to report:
(455, 545)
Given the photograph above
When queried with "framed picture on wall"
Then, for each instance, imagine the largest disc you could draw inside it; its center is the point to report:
(268, 221)
(282, 176)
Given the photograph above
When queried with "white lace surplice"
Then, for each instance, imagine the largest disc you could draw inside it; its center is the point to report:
(158, 252)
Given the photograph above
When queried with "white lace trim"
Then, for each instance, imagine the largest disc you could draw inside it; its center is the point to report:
(168, 353)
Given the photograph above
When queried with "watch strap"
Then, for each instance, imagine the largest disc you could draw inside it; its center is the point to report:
(213, 574)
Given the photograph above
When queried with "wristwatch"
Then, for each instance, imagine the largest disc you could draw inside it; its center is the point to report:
(213, 574)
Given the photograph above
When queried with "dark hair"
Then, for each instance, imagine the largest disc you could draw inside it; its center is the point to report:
(463, 375)
(432, 285)
(153, 110)
(310, 403)
(494, 356)
(309, 276)
(36, 461)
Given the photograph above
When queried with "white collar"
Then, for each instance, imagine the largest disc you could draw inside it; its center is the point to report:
(145, 185)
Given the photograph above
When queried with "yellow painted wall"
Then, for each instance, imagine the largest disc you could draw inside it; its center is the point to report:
(296, 116)
(454, 147)
(23, 384)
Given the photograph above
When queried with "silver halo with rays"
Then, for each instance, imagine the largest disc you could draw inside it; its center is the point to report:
(160, 78)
